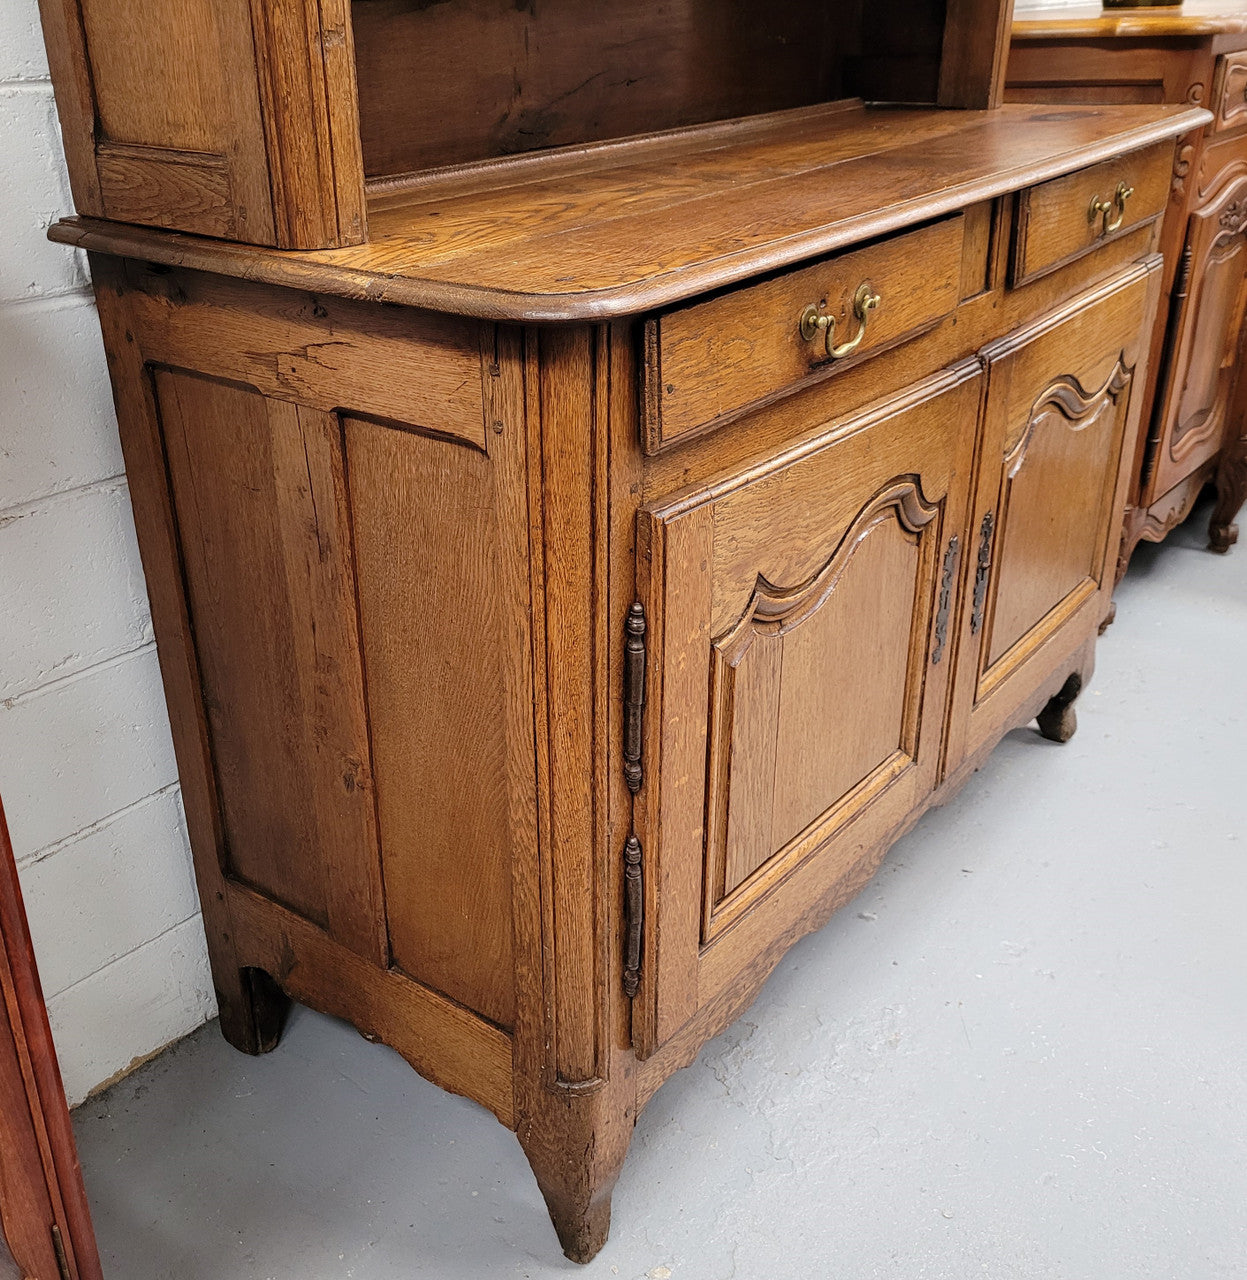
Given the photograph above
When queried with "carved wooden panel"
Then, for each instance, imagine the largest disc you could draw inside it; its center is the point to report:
(1210, 295)
(1060, 406)
(1230, 105)
(791, 735)
(1065, 447)
(799, 675)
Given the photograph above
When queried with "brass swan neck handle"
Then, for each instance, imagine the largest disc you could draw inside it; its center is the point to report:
(815, 323)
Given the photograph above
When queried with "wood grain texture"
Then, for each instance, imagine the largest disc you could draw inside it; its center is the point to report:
(1197, 383)
(1229, 102)
(565, 399)
(259, 490)
(495, 78)
(822, 551)
(146, 85)
(263, 94)
(1054, 225)
(250, 1018)
(975, 52)
(323, 353)
(305, 70)
(187, 190)
(40, 1179)
(1051, 555)
(427, 547)
(651, 225)
(443, 1041)
(1092, 21)
(717, 358)
(1192, 380)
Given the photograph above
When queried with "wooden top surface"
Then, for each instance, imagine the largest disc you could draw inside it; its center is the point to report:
(1092, 21)
(622, 228)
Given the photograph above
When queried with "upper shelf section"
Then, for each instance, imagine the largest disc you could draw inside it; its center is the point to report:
(261, 121)
(622, 228)
(1091, 21)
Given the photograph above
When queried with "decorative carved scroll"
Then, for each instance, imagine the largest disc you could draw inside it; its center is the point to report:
(756, 806)
(778, 609)
(1079, 407)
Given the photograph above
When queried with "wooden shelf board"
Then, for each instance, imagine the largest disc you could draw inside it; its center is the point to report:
(1195, 18)
(626, 228)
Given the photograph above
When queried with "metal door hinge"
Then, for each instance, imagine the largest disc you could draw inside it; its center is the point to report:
(634, 914)
(634, 695)
(984, 572)
(951, 556)
(62, 1259)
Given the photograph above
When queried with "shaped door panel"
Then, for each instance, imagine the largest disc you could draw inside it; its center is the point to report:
(1059, 417)
(799, 617)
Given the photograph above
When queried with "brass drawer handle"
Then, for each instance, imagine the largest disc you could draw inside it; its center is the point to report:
(1113, 211)
(814, 323)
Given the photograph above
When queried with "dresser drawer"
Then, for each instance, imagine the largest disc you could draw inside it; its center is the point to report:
(1060, 220)
(707, 362)
(1229, 99)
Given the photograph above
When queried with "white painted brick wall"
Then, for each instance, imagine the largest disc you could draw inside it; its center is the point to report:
(86, 763)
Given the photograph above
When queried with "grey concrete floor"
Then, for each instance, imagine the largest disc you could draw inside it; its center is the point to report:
(1020, 1053)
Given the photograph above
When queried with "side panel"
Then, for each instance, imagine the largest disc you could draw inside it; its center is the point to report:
(358, 626)
(259, 491)
(427, 546)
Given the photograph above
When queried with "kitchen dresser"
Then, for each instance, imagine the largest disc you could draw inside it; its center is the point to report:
(1195, 403)
(601, 475)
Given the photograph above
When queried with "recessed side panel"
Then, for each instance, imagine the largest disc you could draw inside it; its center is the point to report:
(431, 605)
(260, 502)
(178, 128)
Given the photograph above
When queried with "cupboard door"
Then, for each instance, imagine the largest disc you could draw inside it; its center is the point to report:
(1205, 332)
(1050, 497)
(799, 616)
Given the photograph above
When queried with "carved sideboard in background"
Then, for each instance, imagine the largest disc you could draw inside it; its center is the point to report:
(1196, 402)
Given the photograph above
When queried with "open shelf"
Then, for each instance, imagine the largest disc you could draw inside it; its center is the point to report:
(620, 228)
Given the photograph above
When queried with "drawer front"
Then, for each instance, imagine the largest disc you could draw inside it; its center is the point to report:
(800, 619)
(1060, 220)
(706, 363)
(1230, 98)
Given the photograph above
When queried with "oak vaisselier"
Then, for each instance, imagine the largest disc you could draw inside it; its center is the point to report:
(588, 519)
